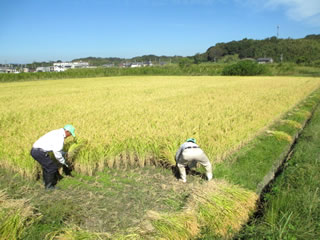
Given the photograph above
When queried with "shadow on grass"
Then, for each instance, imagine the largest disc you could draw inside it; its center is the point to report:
(190, 172)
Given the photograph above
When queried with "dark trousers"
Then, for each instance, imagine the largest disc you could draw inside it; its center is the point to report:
(49, 167)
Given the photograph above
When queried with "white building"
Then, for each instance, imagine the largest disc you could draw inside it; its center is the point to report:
(62, 66)
(44, 69)
(136, 64)
(80, 64)
(8, 70)
(141, 64)
(264, 60)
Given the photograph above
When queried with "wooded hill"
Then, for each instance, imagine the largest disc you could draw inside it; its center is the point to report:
(301, 51)
(304, 51)
(145, 58)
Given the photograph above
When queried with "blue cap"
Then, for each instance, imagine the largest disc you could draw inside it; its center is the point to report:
(70, 128)
(191, 140)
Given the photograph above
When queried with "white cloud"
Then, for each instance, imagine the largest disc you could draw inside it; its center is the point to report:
(297, 9)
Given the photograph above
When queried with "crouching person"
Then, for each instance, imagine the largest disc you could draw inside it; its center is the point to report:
(189, 154)
(53, 141)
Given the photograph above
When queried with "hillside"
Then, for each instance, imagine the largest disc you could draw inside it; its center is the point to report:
(305, 50)
(301, 51)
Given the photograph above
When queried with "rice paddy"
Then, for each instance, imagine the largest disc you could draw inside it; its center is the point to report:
(139, 121)
(125, 124)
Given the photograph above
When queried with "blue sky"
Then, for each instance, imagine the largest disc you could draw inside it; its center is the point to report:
(45, 30)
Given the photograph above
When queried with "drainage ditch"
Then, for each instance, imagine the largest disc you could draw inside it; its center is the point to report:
(266, 185)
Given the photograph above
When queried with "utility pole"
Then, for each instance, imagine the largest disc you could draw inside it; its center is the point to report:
(278, 30)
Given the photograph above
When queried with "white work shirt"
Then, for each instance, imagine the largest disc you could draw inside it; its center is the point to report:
(183, 147)
(53, 141)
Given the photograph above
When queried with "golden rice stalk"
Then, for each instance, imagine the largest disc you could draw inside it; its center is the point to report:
(178, 226)
(128, 119)
(280, 135)
(217, 207)
(222, 208)
(292, 123)
(16, 215)
(75, 233)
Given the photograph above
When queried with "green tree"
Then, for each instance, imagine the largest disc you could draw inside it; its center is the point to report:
(185, 62)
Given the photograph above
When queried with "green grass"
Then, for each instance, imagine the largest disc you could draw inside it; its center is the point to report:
(291, 69)
(202, 69)
(292, 207)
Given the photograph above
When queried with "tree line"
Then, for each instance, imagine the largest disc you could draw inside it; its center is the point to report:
(301, 51)
(305, 51)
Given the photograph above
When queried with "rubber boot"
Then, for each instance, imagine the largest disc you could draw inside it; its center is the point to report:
(58, 176)
(55, 178)
(50, 181)
(43, 177)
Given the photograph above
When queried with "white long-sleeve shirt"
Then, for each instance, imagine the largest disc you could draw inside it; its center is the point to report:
(183, 147)
(53, 141)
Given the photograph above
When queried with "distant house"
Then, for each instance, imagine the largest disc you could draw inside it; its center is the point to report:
(62, 66)
(149, 63)
(136, 64)
(44, 69)
(264, 60)
(80, 64)
(8, 70)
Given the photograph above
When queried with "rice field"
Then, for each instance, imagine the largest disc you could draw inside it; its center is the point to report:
(141, 120)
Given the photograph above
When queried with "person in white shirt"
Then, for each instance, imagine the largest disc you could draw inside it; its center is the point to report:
(53, 141)
(189, 154)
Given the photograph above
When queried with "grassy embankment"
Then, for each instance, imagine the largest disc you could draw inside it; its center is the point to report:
(203, 69)
(223, 197)
(291, 210)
